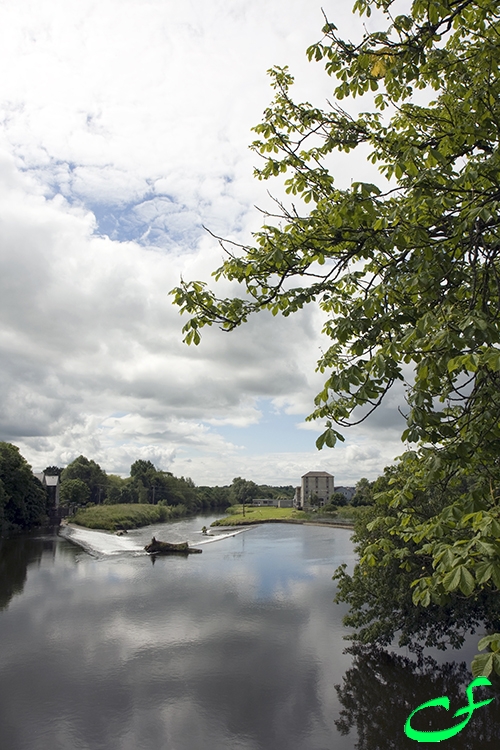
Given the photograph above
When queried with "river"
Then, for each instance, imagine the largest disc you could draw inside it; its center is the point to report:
(240, 648)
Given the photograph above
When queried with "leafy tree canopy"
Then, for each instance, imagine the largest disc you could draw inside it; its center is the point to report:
(89, 472)
(364, 493)
(74, 492)
(23, 500)
(406, 271)
(53, 471)
(212, 497)
(243, 490)
(338, 498)
(379, 591)
(142, 469)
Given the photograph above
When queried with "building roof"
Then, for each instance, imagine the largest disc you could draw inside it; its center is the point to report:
(317, 474)
(47, 479)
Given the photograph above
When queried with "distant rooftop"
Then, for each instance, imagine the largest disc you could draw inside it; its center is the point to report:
(317, 474)
(47, 479)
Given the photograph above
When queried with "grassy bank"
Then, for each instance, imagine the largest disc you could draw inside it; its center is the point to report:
(260, 515)
(343, 517)
(129, 516)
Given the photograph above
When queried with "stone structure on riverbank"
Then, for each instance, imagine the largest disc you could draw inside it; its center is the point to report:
(315, 485)
(52, 484)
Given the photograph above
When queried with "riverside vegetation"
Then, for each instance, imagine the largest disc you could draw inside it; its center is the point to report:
(24, 503)
(116, 517)
(99, 500)
(248, 515)
(406, 271)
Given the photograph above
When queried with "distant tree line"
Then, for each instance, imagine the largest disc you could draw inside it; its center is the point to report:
(25, 502)
(83, 482)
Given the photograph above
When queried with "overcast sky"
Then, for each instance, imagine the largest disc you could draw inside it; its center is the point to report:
(124, 127)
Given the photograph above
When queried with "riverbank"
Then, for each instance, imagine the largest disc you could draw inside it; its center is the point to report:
(132, 516)
(125, 516)
(253, 516)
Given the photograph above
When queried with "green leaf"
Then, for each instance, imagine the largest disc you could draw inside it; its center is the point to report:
(460, 578)
(329, 438)
(483, 572)
(482, 665)
(490, 640)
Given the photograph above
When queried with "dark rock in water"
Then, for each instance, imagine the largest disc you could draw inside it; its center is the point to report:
(168, 548)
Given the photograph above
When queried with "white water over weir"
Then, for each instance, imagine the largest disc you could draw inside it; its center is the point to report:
(105, 543)
(100, 542)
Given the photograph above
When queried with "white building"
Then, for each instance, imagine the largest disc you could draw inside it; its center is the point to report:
(52, 483)
(315, 484)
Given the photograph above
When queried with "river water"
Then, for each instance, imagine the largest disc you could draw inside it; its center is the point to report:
(240, 648)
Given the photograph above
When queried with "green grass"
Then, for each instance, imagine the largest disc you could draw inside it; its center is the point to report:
(343, 516)
(260, 515)
(124, 516)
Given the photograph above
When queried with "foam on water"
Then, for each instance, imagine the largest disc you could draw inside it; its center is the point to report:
(218, 537)
(100, 542)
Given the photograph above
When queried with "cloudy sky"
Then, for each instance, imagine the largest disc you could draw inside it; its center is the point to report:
(124, 128)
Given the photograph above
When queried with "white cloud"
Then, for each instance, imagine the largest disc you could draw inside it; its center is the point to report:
(124, 128)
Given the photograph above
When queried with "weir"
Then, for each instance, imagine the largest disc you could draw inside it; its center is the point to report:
(99, 543)
(107, 544)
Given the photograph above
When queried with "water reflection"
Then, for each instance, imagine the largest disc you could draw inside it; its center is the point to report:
(239, 648)
(17, 554)
(380, 690)
(228, 649)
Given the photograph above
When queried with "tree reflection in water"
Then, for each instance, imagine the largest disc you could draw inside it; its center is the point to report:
(16, 554)
(381, 689)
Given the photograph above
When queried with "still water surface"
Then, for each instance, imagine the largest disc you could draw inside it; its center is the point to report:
(239, 648)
